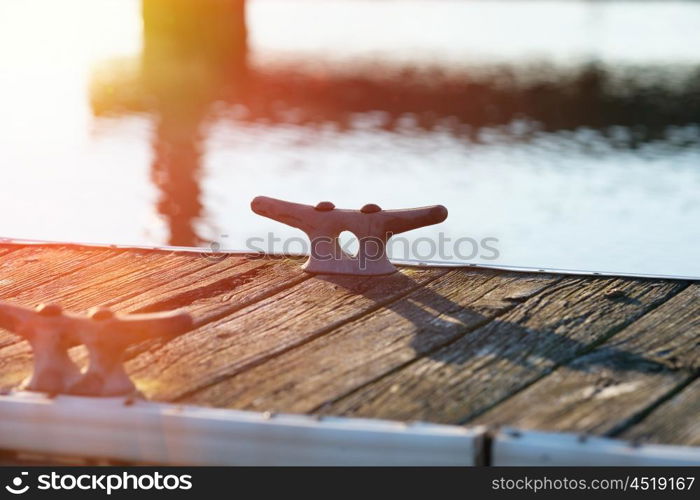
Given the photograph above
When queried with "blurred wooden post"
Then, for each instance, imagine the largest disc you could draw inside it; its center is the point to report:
(213, 31)
(194, 53)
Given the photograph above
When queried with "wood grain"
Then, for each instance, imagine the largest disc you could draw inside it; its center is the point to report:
(363, 350)
(485, 367)
(594, 355)
(29, 267)
(76, 282)
(161, 281)
(606, 390)
(210, 354)
(677, 421)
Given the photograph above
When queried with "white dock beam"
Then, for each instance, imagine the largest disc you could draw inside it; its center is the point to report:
(186, 435)
(535, 448)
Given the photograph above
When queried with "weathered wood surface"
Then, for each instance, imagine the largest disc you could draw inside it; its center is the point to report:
(484, 368)
(375, 345)
(251, 336)
(674, 422)
(613, 386)
(209, 288)
(598, 355)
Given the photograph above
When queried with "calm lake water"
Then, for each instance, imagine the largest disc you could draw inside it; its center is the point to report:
(569, 131)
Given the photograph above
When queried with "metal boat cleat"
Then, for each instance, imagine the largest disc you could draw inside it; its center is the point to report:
(372, 226)
(52, 331)
(107, 335)
(46, 328)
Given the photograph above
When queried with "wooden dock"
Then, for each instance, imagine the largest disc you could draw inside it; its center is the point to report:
(604, 356)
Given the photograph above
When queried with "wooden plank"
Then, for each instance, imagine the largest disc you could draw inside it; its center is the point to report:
(142, 280)
(297, 315)
(5, 250)
(169, 281)
(221, 288)
(513, 447)
(361, 351)
(335, 340)
(607, 389)
(146, 432)
(468, 377)
(16, 358)
(120, 276)
(212, 293)
(29, 267)
(76, 282)
(677, 421)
